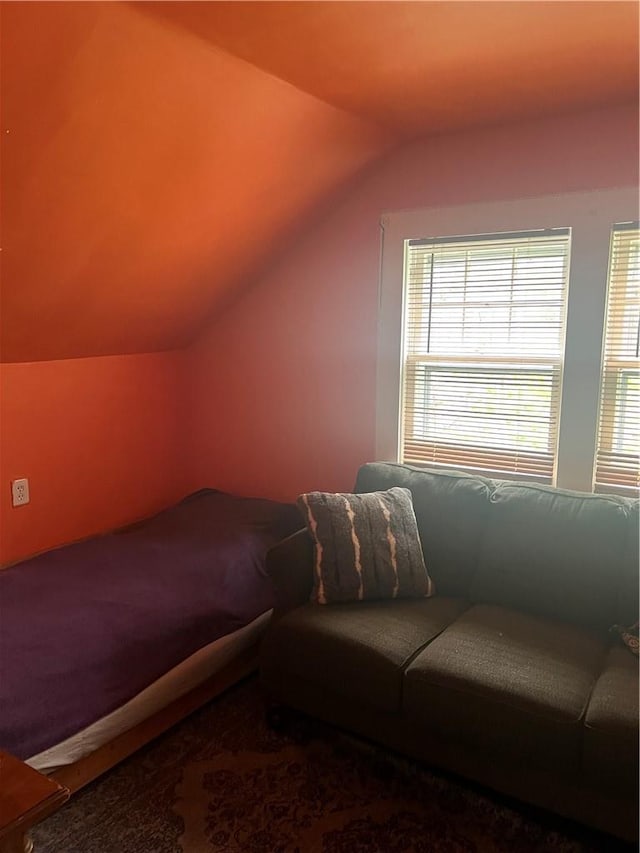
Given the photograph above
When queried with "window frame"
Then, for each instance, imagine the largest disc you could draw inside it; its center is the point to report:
(591, 217)
(616, 372)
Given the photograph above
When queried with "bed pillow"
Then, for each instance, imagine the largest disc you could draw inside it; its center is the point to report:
(366, 546)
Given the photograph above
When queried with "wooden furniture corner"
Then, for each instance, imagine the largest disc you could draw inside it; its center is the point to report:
(26, 798)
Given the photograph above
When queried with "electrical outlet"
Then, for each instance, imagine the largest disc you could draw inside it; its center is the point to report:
(20, 492)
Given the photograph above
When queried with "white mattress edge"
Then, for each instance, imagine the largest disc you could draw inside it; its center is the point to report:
(184, 677)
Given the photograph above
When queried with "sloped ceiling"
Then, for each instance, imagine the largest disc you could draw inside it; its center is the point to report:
(145, 175)
(156, 156)
(425, 67)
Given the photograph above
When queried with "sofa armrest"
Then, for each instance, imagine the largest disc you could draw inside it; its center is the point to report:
(289, 564)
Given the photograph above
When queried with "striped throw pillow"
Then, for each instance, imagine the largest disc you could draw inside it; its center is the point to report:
(366, 546)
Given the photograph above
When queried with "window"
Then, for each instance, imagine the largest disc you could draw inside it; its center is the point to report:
(483, 341)
(490, 346)
(617, 457)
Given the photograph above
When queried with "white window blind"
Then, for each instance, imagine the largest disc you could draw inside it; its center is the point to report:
(617, 456)
(484, 325)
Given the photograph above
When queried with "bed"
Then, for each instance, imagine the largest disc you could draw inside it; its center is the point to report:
(108, 642)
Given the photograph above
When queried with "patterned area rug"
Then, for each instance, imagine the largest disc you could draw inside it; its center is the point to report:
(223, 782)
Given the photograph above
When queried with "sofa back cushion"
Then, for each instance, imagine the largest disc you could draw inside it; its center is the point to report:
(627, 610)
(554, 553)
(451, 511)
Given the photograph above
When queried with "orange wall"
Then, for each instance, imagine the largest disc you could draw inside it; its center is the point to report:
(282, 387)
(137, 160)
(278, 396)
(99, 439)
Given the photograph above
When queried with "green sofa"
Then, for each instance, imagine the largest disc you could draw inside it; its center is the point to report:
(510, 674)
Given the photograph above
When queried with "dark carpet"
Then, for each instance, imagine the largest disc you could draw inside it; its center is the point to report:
(223, 782)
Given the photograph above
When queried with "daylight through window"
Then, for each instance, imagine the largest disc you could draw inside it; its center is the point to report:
(617, 456)
(484, 327)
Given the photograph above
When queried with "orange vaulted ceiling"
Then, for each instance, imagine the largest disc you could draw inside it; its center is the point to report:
(424, 67)
(156, 156)
(145, 175)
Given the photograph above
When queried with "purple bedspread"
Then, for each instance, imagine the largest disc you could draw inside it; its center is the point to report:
(86, 627)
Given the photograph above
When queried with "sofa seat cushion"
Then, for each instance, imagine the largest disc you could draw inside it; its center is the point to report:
(356, 650)
(507, 682)
(611, 732)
